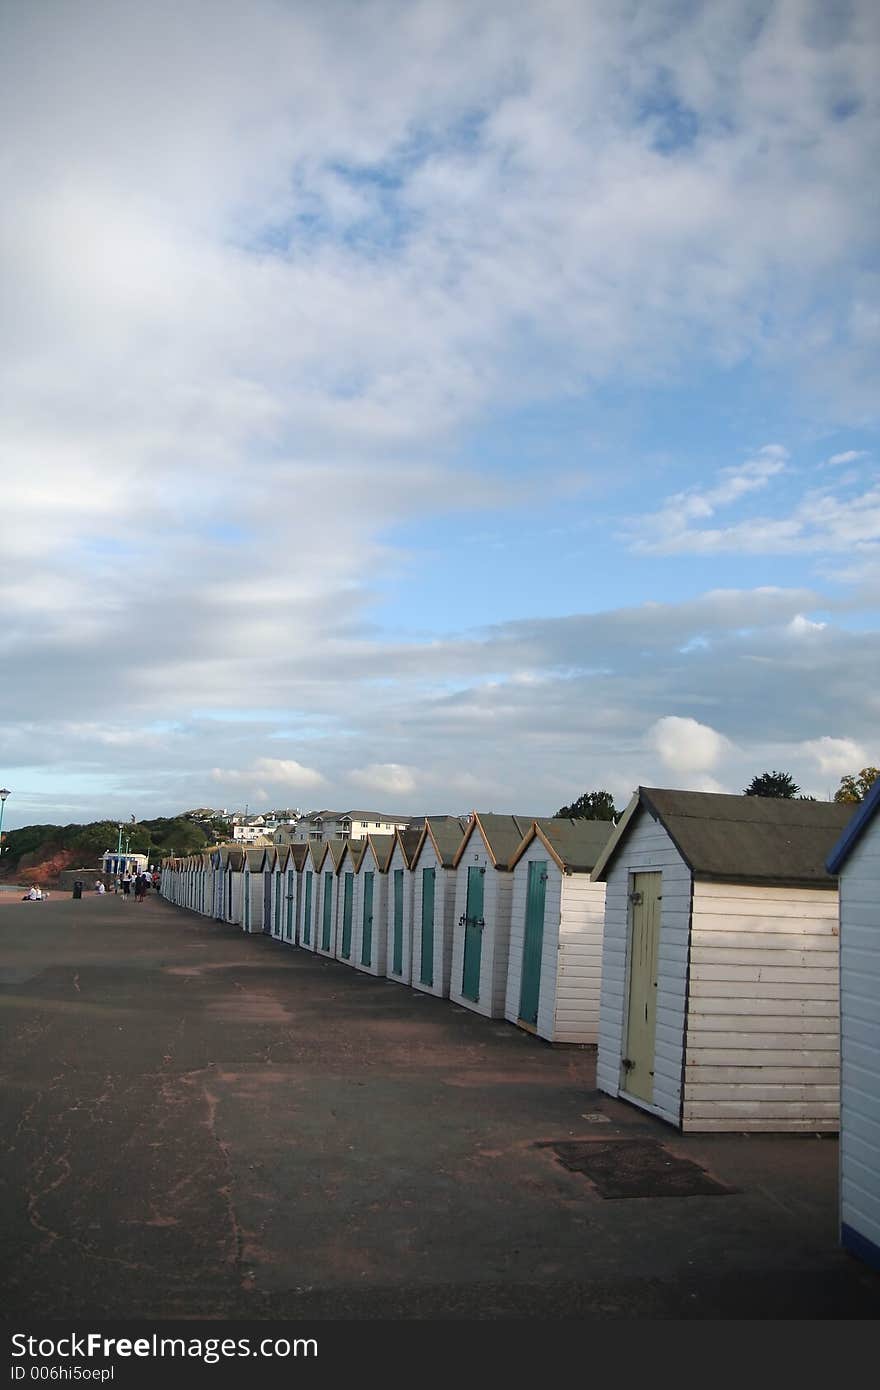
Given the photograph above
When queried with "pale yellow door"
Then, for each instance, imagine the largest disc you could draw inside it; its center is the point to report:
(637, 1075)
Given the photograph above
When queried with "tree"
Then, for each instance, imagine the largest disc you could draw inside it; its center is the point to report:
(590, 806)
(855, 786)
(773, 784)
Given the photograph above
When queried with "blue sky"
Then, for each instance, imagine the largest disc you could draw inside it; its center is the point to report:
(436, 405)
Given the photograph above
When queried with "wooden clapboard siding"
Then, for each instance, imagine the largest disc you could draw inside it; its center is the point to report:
(648, 849)
(860, 1038)
(791, 996)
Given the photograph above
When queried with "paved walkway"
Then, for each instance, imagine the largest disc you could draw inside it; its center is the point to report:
(196, 1123)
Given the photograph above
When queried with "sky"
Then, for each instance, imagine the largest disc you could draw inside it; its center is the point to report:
(428, 405)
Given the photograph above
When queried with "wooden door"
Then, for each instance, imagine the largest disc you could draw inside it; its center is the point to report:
(367, 932)
(347, 900)
(473, 933)
(307, 911)
(533, 943)
(397, 943)
(328, 910)
(638, 1062)
(426, 964)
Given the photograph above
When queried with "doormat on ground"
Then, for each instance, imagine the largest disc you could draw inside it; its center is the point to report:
(637, 1168)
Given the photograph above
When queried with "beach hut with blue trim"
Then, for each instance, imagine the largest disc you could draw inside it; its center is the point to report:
(557, 920)
(369, 952)
(855, 859)
(433, 910)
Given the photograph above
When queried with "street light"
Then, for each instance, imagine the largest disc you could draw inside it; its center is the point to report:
(4, 792)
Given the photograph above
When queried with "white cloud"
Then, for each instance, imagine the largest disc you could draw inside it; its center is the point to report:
(274, 772)
(388, 778)
(686, 746)
(849, 456)
(836, 756)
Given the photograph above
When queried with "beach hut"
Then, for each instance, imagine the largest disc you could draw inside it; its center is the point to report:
(252, 890)
(346, 876)
(719, 1004)
(556, 923)
(232, 894)
(328, 898)
(856, 859)
(291, 859)
(398, 943)
(483, 891)
(369, 951)
(268, 868)
(219, 857)
(433, 910)
(307, 915)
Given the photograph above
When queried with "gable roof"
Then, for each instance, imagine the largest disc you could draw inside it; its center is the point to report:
(383, 848)
(858, 823)
(739, 839)
(574, 844)
(446, 834)
(336, 849)
(354, 850)
(408, 840)
(297, 852)
(235, 860)
(502, 836)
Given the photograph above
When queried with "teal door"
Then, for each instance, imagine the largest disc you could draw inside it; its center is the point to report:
(473, 934)
(533, 942)
(367, 934)
(246, 881)
(328, 909)
(397, 953)
(426, 966)
(288, 920)
(347, 900)
(307, 911)
(276, 921)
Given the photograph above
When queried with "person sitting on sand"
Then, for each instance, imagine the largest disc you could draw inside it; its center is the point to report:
(33, 895)
(99, 887)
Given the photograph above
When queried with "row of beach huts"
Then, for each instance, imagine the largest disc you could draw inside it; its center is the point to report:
(717, 950)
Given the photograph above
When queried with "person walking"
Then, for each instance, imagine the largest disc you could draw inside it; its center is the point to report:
(140, 888)
(126, 886)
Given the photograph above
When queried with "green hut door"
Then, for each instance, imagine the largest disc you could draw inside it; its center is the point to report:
(473, 934)
(397, 952)
(347, 901)
(426, 970)
(367, 933)
(328, 909)
(276, 921)
(246, 880)
(288, 920)
(307, 911)
(638, 1064)
(533, 943)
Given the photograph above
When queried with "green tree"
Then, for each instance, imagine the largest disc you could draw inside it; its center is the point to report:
(773, 784)
(590, 806)
(856, 785)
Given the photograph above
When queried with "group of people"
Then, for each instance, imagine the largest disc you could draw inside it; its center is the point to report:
(140, 884)
(34, 894)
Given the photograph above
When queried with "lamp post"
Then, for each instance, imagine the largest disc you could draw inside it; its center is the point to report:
(4, 792)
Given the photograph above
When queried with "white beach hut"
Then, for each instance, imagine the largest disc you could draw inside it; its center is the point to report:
(252, 893)
(856, 859)
(556, 923)
(719, 1005)
(328, 898)
(433, 911)
(307, 910)
(398, 945)
(346, 878)
(232, 889)
(291, 859)
(483, 895)
(369, 951)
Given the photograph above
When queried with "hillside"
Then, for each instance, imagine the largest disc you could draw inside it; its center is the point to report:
(40, 852)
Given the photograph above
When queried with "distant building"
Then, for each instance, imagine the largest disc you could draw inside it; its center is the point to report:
(117, 864)
(340, 825)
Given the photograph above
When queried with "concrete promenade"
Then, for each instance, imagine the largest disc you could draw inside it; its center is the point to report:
(199, 1124)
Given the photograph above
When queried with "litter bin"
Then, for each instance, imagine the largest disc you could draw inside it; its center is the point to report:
(78, 888)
